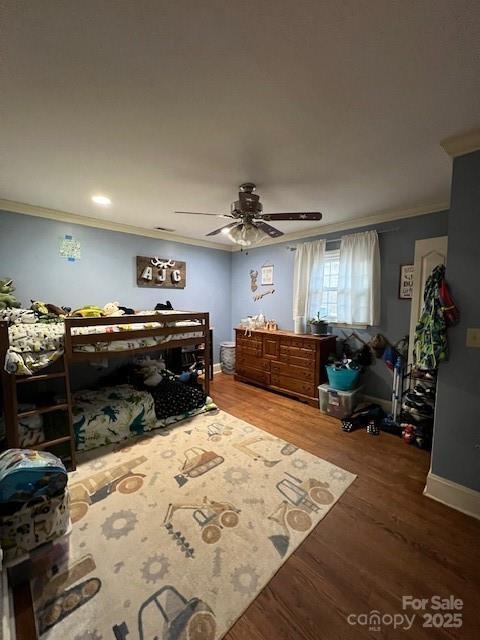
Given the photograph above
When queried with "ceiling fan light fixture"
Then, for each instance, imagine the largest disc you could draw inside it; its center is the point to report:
(246, 234)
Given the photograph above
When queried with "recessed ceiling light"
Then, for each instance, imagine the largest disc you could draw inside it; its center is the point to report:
(103, 201)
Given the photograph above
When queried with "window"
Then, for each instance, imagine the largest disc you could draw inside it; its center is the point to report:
(343, 286)
(328, 307)
(324, 285)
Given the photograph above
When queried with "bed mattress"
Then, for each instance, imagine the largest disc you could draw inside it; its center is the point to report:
(108, 415)
(35, 346)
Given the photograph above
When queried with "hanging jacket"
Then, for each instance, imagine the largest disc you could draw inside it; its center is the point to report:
(431, 346)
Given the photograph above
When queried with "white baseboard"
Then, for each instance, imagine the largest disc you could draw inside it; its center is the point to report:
(453, 495)
(217, 368)
(385, 404)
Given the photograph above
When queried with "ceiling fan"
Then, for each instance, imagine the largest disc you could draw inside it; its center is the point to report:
(249, 224)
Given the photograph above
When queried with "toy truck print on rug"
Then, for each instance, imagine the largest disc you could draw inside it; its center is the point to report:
(211, 516)
(197, 462)
(216, 431)
(100, 485)
(301, 499)
(246, 447)
(168, 615)
(58, 598)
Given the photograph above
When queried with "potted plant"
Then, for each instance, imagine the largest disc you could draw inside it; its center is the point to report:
(318, 325)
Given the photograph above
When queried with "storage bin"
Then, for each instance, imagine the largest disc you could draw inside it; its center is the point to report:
(35, 523)
(227, 357)
(337, 403)
(342, 379)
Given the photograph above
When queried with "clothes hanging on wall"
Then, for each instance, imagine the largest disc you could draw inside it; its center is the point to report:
(431, 346)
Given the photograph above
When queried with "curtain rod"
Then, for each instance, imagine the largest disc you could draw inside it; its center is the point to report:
(330, 240)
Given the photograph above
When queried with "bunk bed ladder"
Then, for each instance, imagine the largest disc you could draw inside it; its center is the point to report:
(12, 413)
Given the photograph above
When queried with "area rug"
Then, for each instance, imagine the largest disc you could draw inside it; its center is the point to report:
(174, 535)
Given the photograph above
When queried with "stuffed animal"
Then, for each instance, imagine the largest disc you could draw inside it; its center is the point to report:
(112, 309)
(7, 300)
(89, 311)
(39, 307)
(127, 310)
(18, 316)
(164, 307)
(152, 370)
(45, 308)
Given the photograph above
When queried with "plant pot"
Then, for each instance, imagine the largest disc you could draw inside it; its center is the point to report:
(318, 328)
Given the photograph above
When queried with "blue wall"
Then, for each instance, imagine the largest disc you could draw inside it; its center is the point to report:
(107, 271)
(217, 281)
(456, 444)
(396, 248)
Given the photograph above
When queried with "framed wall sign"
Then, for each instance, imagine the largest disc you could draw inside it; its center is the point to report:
(406, 282)
(267, 275)
(161, 273)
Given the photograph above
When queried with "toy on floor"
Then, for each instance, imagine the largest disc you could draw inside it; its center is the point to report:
(7, 300)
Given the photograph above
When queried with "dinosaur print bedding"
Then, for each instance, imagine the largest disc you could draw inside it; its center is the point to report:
(108, 415)
(35, 346)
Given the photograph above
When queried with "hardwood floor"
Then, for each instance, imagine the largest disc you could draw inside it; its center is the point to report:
(382, 540)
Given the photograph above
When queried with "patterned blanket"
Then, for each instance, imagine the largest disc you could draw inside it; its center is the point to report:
(35, 346)
(112, 414)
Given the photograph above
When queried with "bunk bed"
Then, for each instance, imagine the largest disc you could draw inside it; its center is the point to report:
(88, 340)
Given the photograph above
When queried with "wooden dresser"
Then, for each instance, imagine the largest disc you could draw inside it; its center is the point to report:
(283, 361)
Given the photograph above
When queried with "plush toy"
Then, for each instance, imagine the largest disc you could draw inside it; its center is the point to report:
(112, 309)
(18, 316)
(7, 300)
(164, 307)
(39, 307)
(45, 308)
(152, 371)
(89, 311)
(408, 432)
(188, 377)
(127, 310)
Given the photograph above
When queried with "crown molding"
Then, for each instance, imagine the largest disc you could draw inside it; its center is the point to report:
(320, 230)
(354, 223)
(462, 144)
(97, 223)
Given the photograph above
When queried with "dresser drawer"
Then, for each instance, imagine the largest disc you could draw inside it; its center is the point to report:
(270, 346)
(285, 382)
(254, 374)
(250, 351)
(244, 340)
(292, 371)
(252, 362)
(303, 356)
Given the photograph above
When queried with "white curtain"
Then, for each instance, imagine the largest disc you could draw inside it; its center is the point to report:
(358, 297)
(307, 282)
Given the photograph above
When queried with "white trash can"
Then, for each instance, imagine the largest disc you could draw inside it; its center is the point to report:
(227, 357)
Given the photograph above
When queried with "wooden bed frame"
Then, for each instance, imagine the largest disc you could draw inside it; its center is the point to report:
(71, 356)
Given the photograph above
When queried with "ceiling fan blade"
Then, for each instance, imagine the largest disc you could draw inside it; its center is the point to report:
(199, 213)
(227, 226)
(268, 229)
(312, 215)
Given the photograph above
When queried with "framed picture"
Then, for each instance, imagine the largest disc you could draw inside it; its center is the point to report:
(267, 275)
(406, 282)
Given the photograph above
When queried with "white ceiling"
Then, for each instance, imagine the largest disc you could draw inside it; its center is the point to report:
(337, 106)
